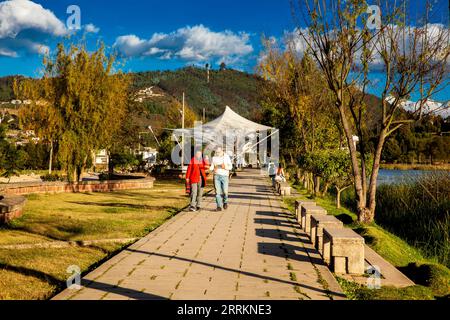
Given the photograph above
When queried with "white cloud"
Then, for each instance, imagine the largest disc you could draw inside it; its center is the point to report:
(8, 53)
(24, 26)
(193, 44)
(131, 45)
(91, 28)
(19, 15)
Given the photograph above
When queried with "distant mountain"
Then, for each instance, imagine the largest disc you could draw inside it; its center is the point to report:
(429, 107)
(6, 88)
(239, 90)
(158, 95)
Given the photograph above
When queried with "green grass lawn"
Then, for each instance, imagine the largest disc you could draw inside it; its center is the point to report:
(40, 273)
(432, 278)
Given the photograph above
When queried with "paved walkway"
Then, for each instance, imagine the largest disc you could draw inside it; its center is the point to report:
(253, 250)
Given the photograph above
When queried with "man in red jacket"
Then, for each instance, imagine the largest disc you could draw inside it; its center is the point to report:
(196, 178)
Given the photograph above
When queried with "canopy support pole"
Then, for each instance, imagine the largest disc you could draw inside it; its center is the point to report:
(276, 131)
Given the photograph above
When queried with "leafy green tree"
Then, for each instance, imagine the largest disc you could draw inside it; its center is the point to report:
(40, 116)
(391, 151)
(294, 100)
(332, 166)
(11, 158)
(165, 149)
(339, 173)
(124, 160)
(86, 98)
(37, 158)
(436, 148)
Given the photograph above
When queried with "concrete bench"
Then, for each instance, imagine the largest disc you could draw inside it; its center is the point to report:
(307, 211)
(285, 189)
(343, 250)
(318, 222)
(298, 207)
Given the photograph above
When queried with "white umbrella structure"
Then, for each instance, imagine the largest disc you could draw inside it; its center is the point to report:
(238, 134)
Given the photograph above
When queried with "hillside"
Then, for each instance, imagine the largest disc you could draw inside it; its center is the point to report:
(239, 90)
(6, 88)
(158, 95)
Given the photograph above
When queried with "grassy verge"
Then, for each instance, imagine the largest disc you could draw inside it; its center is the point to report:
(40, 273)
(432, 278)
(419, 212)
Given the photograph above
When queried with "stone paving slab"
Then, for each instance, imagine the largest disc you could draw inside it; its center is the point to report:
(253, 250)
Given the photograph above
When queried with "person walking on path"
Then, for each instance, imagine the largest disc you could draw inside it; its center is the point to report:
(221, 166)
(272, 172)
(196, 179)
(280, 174)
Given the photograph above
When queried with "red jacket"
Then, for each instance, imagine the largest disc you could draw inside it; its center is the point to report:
(196, 169)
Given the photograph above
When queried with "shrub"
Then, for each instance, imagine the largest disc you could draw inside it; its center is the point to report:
(434, 276)
(52, 177)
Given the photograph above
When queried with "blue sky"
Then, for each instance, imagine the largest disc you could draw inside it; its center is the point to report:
(145, 18)
(154, 35)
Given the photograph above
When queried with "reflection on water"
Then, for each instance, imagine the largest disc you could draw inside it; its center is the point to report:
(400, 176)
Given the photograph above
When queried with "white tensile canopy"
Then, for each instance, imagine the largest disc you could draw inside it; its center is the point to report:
(231, 120)
(231, 129)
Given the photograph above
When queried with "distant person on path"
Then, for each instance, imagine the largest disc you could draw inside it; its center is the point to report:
(272, 172)
(280, 174)
(196, 179)
(221, 166)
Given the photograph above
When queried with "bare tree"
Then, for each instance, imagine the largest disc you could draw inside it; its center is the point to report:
(347, 39)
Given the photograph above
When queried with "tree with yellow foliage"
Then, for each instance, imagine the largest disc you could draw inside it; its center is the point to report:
(295, 99)
(79, 104)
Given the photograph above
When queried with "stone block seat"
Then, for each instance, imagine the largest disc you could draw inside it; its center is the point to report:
(285, 189)
(343, 250)
(298, 207)
(11, 207)
(306, 212)
(318, 222)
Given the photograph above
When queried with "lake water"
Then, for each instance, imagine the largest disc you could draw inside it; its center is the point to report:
(399, 176)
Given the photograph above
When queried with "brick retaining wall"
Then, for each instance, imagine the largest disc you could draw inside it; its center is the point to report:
(85, 186)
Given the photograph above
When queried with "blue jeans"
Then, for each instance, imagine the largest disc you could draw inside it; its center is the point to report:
(272, 177)
(221, 186)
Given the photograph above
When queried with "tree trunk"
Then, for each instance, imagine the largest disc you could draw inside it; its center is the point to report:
(338, 195)
(74, 176)
(359, 190)
(369, 214)
(50, 161)
(78, 174)
(338, 198)
(316, 185)
(325, 188)
(310, 182)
